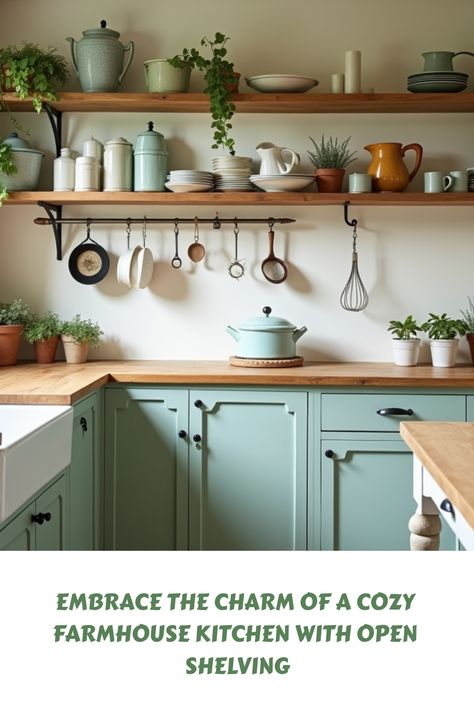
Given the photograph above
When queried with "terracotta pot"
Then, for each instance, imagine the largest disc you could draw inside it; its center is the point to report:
(470, 341)
(10, 337)
(46, 350)
(75, 352)
(329, 180)
(232, 82)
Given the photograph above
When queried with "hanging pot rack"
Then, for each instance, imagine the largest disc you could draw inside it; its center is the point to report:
(56, 220)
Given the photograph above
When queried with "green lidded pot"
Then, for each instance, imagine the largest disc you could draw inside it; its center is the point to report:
(266, 337)
(150, 161)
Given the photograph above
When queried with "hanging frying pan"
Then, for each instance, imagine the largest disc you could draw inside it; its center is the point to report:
(89, 262)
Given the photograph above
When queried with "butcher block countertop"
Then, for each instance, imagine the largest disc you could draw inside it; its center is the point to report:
(63, 384)
(446, 450)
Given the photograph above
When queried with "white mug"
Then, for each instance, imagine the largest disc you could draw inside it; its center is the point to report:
(436, 182)
(459, 181)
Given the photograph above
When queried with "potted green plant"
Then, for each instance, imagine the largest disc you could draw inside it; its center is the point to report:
(220, 80)
(78, 336)
(468, 316)
(44, 332)
(405, 344)
(330, 159)
(14, 317)
(442, 332)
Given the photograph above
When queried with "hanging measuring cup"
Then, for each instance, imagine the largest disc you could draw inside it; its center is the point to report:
(274, 269)
(196, 250)
(142, 264)
(124, 264)
(236, 268)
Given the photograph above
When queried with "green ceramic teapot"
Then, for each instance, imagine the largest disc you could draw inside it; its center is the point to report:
(99, 58)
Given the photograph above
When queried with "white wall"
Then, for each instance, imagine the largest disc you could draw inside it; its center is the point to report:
(412, 260)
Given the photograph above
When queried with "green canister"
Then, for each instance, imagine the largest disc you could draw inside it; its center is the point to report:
(150, 161)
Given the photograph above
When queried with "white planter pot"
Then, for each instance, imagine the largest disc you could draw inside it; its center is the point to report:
(405, 351)
(443, 352)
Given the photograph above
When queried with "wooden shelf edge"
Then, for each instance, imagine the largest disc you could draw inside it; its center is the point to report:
(257, 102)
(243, 198)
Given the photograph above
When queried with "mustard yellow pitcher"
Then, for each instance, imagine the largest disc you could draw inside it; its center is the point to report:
(387, 168)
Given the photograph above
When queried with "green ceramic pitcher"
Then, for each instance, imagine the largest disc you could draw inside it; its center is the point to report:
(441, 61)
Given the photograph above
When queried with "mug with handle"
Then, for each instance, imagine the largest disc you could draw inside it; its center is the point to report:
(460, 181)
(436, 182)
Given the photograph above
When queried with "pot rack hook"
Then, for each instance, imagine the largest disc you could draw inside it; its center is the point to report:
(271, 222)
(216, 224)
(144, 230)
(353, 222)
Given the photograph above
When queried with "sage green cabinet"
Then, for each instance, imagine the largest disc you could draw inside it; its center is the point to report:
(248, 472)
(146, 469)
(205, 469)
(42, 525)
(366, 470)
(84, 475)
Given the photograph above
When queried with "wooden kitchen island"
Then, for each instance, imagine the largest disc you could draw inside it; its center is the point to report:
(443, 480)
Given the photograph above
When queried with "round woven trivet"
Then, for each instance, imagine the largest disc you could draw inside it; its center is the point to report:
(266, 362)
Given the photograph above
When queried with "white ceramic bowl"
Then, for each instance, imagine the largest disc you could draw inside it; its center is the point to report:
(141, 268)
(281, 83)
(290, 182)
(124, 266)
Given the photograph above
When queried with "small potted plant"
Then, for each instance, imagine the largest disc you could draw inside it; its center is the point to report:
(468, 316)
(220, 80)
(14, 317)
(330, 159)
(442, 332)
(405, 344)
(44, 332)
(78, 336)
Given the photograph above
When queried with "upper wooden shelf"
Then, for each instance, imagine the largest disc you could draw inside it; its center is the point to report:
(243, 198)
(258, 103)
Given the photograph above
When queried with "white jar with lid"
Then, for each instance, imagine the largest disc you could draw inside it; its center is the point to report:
(64, 171)
(94, 148)
(118, 162)
(86, 174)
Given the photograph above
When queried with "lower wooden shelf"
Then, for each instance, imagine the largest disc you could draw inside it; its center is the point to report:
(242, 198)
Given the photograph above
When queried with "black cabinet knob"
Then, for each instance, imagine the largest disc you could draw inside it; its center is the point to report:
(388, 411)
(40, 517)
(182, 434)
(198, 403)
(447, 506)
(329, 453)
(196, 438)
(83, 423)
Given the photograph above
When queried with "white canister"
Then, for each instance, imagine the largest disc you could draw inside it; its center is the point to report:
(118, 163)
(86, 174)
(64, 169)
(352, 74)
(94, 148)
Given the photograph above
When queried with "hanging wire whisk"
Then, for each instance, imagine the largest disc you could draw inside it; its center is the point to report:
(354, 296)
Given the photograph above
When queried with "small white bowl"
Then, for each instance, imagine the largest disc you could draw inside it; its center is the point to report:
(141, 269)
(124, 266)
(290, 182)
(281, 83)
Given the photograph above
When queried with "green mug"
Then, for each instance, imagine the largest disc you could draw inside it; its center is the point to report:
(441, 61)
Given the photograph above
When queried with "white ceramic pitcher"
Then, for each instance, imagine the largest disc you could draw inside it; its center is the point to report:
(273, 159)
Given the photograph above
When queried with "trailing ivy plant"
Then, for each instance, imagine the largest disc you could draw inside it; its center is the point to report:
(443, 328)
(82, 330)
(7, 166)
(218, 80)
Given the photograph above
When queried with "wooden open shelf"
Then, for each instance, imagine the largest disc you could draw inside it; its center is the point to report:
(258, 103)
(244, 198)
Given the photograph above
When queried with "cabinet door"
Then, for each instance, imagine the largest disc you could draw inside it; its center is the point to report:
(51, 535)
(19, 534)
(146, 469)
(84, 477)
(367, 496)
(248, 473)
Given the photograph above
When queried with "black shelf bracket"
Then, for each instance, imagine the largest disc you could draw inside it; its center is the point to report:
(55, 220)
(55, 119)
(353, 222)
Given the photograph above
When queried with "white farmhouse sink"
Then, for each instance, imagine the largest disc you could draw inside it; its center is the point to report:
(35, 446)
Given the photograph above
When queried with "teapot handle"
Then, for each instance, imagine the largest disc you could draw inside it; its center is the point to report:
(419, 155)
(456, 54)
(130, 48)
(72, 42)
(294, 159)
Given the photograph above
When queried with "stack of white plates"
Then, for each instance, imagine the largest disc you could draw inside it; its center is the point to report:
(232, 173)
(437, 81)
(190, 181)
(282, 183)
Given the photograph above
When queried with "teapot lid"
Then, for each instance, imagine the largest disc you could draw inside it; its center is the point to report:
(19, 144)
(102, 31)
(267, 323)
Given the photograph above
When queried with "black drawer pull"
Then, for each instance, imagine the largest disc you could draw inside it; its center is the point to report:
(447, 506)
(329, 453)
(196, 438)
(198, 403)
(83, 423)
(40, 518)
(182, 434)
(388, 411)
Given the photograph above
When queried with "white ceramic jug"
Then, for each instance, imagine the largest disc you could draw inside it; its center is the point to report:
(273, 159)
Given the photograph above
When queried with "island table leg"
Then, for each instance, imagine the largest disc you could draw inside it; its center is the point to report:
(425, 524)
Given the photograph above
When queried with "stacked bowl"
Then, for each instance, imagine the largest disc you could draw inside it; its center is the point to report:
(432, 81)
(190, 181)
(232, 173)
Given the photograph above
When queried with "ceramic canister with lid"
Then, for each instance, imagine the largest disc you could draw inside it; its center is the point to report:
(94, 148)
(86, 174)
(150, 161)
(28, 165)
(64, 168)
(118, 165)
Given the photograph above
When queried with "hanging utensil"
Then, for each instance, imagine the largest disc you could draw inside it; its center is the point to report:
(124, 263)
(354, 296)
(142, 266)
(196, 251)
(176, 261)
(274, 269)
(89, 262)
(236, 268)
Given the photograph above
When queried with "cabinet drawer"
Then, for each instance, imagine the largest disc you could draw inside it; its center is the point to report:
(359, 413)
